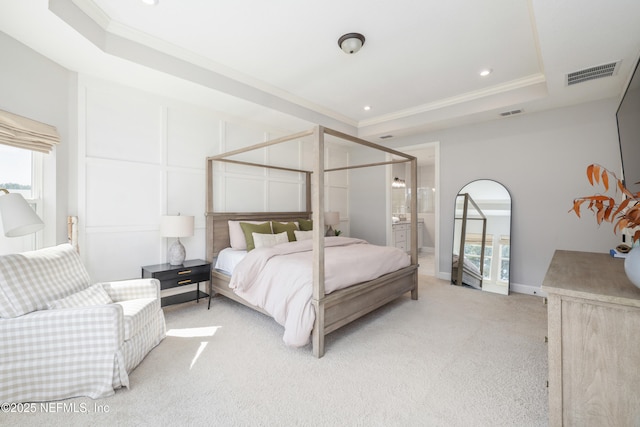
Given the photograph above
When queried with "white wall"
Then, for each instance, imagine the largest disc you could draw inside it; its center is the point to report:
(369, 210)
(141, 156)
(541, 159)
(35, 87)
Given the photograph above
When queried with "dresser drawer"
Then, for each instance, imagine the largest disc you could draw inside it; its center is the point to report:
(401, 236)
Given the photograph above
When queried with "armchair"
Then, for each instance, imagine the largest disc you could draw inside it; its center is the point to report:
(61, 337)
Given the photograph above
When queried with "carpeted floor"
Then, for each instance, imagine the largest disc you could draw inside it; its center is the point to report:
(455, 357)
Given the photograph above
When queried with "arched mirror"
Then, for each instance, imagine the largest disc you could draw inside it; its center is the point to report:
(482, 237)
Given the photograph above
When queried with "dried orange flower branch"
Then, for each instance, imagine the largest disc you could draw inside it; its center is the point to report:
(626, 214)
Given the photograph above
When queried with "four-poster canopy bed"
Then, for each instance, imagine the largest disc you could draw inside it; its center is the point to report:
(339, 307)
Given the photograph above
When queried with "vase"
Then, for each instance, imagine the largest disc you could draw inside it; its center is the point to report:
(632, 266)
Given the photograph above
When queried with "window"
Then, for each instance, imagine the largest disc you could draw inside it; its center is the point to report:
(20, 170)
(15, 170)
(473, 251)
(496, 268)
(505, 250)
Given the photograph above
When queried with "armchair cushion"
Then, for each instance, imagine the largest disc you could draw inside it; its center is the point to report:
(93, 295)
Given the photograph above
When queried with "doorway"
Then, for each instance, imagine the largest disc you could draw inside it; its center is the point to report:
(428, 159)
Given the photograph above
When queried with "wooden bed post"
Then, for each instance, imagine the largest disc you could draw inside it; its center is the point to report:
(317, 201)
(307, 191)
(414, 223)
(209, 209)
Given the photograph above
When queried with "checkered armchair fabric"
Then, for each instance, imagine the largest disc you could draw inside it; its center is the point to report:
(132, 289)
(51, 351)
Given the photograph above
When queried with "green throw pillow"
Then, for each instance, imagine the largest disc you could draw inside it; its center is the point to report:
(305, 224)
(248, 228)
(289, 227)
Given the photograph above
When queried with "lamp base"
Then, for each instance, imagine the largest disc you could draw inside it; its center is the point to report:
(330, 232)
(176, 254)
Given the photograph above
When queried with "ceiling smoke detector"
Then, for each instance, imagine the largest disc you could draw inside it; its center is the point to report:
(351, 42)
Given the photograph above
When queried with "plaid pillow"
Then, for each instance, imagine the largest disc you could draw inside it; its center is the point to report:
(93, 295)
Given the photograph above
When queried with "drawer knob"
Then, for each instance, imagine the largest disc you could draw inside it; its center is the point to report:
(182, 282)
(184, 272)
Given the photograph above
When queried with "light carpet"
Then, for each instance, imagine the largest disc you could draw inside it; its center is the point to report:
(455, 357)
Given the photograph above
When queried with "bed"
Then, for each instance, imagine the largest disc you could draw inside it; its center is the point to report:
(331, 308)
(469, 274)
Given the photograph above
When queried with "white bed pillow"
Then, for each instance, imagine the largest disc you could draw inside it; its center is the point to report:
(303, 235)
(269, 240)
(93, 295)
(236, 235)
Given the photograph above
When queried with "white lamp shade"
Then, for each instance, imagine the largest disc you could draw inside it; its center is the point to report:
(18, 218)
(176, 226)
(332, 218)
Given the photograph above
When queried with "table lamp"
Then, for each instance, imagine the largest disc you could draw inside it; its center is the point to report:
(176, 226)
(331, 219)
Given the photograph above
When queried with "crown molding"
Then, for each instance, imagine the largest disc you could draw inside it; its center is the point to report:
(517, 84)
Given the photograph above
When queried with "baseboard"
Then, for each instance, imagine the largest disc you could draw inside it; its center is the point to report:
(527, 289)
(514, 287)
(444, 276)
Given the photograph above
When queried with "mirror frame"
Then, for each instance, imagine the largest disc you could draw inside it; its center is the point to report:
(468, 201)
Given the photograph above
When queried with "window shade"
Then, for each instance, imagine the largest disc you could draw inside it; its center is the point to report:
(477, 238)
(22, 132)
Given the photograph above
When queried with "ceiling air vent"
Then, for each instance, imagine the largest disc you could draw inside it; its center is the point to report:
(510, 113)
(386, 136)
(592, 73)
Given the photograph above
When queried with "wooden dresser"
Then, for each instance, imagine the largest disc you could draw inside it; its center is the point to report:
(594, 341)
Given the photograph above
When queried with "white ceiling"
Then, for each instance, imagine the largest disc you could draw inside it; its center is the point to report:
(279, 61)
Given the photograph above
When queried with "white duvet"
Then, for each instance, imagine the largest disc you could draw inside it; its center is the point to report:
(279, 279)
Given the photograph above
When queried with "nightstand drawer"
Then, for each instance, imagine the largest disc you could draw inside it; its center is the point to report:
(181, 273)
(187, 279)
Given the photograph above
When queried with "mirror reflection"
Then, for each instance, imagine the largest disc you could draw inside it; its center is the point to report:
(482, 237)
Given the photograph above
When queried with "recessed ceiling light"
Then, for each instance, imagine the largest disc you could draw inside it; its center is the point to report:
(485, 73)
(367, 107)
(150, 2)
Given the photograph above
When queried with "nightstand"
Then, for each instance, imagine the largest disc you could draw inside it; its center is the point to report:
(172, 276)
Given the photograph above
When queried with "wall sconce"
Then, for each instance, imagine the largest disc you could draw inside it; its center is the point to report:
(18, 218)
(398, 183)
(176, 226)
(331, 219)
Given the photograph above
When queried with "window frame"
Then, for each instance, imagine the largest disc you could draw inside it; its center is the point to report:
(35, 240)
